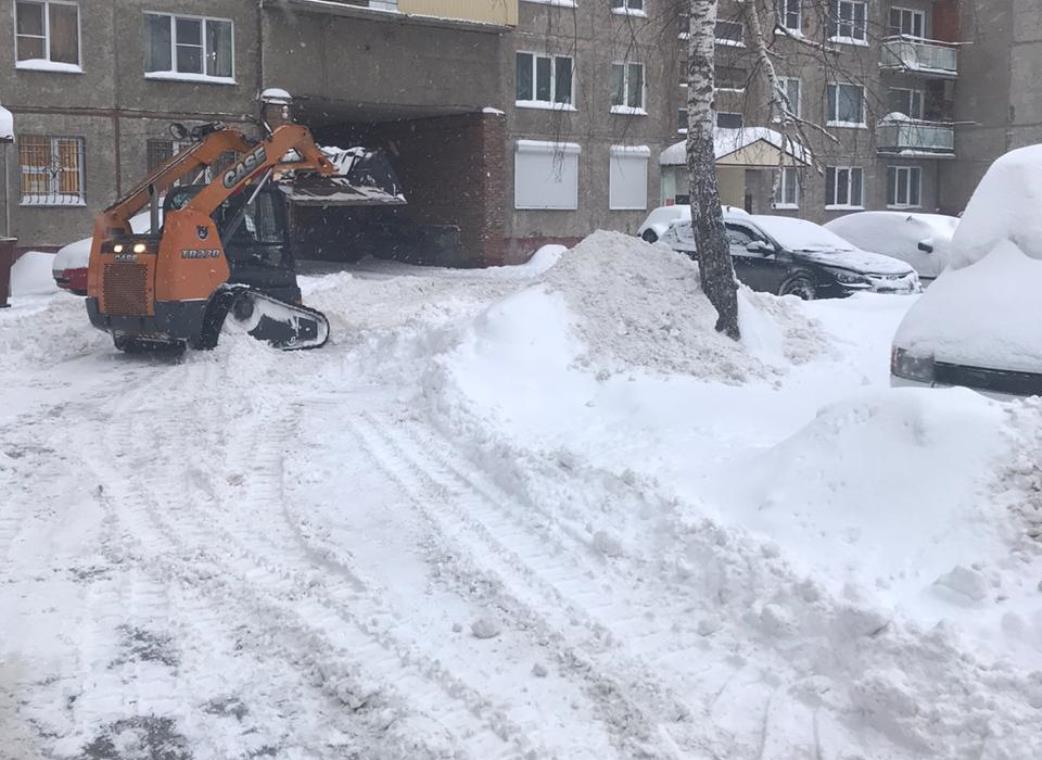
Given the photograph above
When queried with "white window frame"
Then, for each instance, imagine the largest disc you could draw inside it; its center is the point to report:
(548, 105)
(904, 174)
(616, 175)
(624, 109)
(188, 76)
(788, 178)
(54, 197)
(45, 63)
(835, 23)
(914, 95)
(725, 89)
(795, 108)
(627, 8)
(558, 3)
(561, 154)
(912, 13)
(850, 170)
(782, 9)
(832, 120)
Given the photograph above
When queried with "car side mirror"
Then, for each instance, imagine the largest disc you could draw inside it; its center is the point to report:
(925, 246)
(760, 246)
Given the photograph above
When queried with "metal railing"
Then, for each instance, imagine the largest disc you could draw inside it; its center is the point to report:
(925, 56)
(916, 136)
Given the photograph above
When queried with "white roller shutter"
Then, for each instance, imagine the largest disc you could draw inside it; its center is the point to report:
(628, 178)
(546, 175)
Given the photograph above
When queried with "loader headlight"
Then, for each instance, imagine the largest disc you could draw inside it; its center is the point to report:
(908, 366)
(140, 247)
(117, 248)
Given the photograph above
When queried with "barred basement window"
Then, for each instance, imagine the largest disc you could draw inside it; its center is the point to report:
(51, 170)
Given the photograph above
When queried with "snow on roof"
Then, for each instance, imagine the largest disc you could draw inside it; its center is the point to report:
(6, 125)
(728, 141)
(1005, 206)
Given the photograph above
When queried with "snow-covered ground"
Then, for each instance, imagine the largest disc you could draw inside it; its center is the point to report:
(531, 512)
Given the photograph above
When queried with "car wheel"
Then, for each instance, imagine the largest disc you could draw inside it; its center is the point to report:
(801, 286)
(650, 236)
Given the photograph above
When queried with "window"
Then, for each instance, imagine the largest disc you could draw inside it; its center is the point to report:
(846, 105)
(787, 191)
(188, 47)
(730, 33)
(729, 120)
(731, 78)
(628, 178)
(844, 187)
(682, 121)
(632, 7)
(544, 81)
(47, 35)
(907, 22)
(792, 87)
(52, 170)
(546, 175)
(904, 186)
(627, 88)
(790, 15)
(849, 21)
(908, 102)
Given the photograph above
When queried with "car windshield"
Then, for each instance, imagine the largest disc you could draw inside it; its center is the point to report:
(801, 235)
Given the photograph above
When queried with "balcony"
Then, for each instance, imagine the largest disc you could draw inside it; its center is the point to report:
(499, 13)
(897, 135)
(929, 57)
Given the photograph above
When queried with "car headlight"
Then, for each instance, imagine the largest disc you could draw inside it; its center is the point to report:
(911, 367)
(849, 278)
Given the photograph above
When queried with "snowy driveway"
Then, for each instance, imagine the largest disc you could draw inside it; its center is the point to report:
(467, 529)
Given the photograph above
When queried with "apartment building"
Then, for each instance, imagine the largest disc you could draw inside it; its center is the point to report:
(517, 122)
(873, 83)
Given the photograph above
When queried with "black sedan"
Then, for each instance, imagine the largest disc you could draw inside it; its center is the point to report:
(787, 256)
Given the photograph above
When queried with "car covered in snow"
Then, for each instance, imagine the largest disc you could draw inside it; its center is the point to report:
(787, 256)
(920, 240)
(660, 219)
(70, 263)
(980, 324)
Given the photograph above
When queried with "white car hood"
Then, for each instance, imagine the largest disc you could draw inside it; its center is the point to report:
(985, 315)
(859, 261)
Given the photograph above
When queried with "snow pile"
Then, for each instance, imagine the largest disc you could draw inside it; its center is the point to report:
(1003, 207)
(31, 275)
(639, 305)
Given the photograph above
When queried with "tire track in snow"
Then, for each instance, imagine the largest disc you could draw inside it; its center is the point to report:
(293, 588)
(626, 695)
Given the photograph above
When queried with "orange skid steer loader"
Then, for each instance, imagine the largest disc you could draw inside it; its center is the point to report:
(214, 249)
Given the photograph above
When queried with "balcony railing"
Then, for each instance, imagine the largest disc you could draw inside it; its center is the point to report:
(497, 12)
(910, 136)
(924, 56)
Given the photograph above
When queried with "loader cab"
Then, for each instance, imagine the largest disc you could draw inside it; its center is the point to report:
(258, 245)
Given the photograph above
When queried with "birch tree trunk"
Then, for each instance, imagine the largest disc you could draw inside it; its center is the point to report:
(707, 223)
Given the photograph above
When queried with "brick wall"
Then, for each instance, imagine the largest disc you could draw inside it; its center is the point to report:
(452, 170)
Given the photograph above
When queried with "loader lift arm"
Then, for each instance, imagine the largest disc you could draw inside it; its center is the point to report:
(116, 218)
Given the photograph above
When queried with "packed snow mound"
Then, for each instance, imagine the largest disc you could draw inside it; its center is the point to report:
(641, 305)
(31, 275)
(986, 314)
(1005, 206)
(891, 475)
